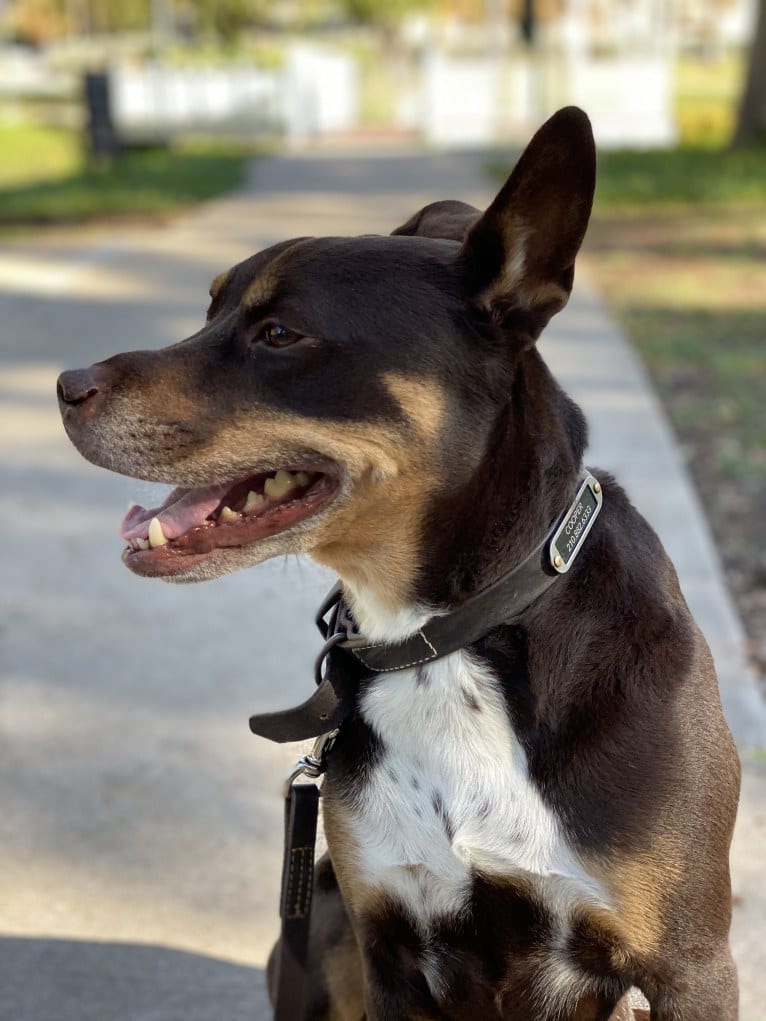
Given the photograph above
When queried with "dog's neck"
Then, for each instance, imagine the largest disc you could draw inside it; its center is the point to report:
(382, 621)
(527, 477)
(486, 527)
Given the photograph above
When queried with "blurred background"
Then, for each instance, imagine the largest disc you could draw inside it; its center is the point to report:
(146, 145)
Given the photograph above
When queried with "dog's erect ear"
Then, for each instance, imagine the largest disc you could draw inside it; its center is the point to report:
(450, 220)
(520, 254)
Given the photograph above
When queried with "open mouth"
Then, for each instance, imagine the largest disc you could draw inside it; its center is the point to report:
(193, 523)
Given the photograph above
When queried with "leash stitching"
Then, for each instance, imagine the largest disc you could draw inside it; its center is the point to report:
(299, 896)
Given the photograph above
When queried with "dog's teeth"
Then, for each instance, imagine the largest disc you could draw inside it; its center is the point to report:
(156, 535)
(141, 543)
(301, 478)
(253, 500)
(227, 514)
(282, 483)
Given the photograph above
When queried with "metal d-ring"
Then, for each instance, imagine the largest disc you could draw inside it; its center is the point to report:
(330, 644)
(330, 601)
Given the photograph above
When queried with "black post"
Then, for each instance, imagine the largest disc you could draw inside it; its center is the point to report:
(528, 22)
(102, 137)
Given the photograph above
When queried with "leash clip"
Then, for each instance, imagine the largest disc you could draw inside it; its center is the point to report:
(314, 764)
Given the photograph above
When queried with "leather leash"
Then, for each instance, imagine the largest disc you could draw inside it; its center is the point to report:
(301, 813)
(344, 660)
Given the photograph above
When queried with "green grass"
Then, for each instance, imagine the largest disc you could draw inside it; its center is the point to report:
(687, 284)
(32, 153)
(638, 181)
(689, 174)
(707, 93)
(45, 180)
(710, 368)
(702, 169)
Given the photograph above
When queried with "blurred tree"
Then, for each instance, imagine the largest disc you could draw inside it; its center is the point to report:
(36, 21)
(119, 15)
(375, 11)
(40, 21)
(751, 124)
(44, 20)
(226, 20)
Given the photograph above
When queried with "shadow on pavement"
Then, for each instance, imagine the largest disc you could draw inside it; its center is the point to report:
(72, 980)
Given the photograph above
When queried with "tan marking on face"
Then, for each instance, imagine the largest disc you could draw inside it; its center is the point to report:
(218, 284)
(422, 403)
(261, 290)
(641, 885)
(372, 537)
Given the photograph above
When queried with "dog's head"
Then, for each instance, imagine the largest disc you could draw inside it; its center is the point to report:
(342, 389)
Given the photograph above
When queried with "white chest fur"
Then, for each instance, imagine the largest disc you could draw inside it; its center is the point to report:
(452, 794)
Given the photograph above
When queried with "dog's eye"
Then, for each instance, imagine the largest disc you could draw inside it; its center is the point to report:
(278, 336)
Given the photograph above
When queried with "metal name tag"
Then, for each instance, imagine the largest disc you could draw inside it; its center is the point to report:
(571, 533)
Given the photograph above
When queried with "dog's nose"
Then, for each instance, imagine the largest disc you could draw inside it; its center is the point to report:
(77, 386)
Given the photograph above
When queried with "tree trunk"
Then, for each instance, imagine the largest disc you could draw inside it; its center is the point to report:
(751, 125)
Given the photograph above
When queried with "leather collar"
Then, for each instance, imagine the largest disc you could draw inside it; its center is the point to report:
(347, 657)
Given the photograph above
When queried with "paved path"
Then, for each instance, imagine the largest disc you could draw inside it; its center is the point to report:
(140, 823)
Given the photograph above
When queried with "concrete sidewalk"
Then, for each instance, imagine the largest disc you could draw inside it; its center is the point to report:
(140, 830)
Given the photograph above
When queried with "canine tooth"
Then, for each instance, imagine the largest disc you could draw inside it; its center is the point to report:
(227, 514)
(156, 535)
(282, 483)
(253, 500)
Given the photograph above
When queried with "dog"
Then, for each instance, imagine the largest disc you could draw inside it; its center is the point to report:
(527, 827)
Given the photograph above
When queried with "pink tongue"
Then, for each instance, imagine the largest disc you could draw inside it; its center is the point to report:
(183, 509)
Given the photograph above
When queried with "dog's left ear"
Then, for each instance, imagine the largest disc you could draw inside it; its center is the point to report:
(448, 219)
(519, 257)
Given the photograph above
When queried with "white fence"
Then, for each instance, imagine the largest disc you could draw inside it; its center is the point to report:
(482, 101)
(314, 93)
(157, 101)
(629, 99)
(453, 101)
